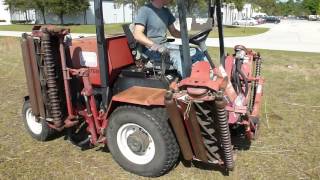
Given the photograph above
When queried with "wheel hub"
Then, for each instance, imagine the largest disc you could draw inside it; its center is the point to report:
(138, 142)
(135, 143)
(33, 124)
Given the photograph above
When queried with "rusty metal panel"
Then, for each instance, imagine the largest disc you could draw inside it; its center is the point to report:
(29, 76)
(36, 77)
(194, 132)
(177, 123)
(198, 145)
(142, 96)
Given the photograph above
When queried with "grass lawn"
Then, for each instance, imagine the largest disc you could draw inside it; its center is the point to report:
(116, 28)
(288, 146)
(110, 28)
(238, 31)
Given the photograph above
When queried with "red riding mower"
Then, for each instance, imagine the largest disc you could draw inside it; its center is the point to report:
(97, 91)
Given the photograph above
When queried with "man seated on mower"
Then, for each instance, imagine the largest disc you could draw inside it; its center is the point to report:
(150, 30)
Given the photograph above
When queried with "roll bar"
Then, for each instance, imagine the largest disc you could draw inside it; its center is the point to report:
(102, 52)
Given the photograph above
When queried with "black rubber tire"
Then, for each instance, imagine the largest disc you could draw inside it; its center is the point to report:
(154, 121)
(46, 132)
(257, 122)
(81, 138)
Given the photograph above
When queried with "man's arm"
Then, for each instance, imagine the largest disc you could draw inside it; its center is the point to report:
(139, 35)
(174, 32)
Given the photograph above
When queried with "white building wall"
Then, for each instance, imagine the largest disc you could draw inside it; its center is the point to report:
(21, 16)
(4, 14)
(230, 13)
(247, 10)
(111, 14)
(114, 14)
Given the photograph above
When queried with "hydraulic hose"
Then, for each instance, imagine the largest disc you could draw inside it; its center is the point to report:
(236, 73)
(244, 79)
(234, 78)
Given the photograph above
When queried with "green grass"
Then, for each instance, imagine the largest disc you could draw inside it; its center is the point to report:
(288, 146)
(241, 31)
(110, 28)
(116, 28)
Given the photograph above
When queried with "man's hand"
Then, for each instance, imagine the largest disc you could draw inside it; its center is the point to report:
(159, 48)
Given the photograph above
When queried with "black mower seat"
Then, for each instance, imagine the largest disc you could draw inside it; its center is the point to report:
(136, 48)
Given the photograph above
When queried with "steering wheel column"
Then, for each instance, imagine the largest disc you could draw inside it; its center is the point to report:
(199, 39)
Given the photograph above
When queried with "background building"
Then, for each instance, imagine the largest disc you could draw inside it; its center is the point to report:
(113, 13)
(4, 14)
(230, 13)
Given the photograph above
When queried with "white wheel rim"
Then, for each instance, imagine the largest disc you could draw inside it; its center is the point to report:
(122, 135)
(34, 126)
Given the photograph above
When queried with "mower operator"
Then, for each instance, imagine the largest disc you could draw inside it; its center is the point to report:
(151, 25)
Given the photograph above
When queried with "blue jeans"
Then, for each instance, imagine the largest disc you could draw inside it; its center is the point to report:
(175, 56)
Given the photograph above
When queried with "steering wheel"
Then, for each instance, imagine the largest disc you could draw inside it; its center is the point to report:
(200, 37)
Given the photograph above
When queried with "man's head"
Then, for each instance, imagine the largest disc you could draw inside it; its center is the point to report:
(161, 2)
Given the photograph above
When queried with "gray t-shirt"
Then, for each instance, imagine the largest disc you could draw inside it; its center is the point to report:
(156, 22)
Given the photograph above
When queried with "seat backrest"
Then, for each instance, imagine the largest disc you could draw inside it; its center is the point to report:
(135, 47)
(129, 33)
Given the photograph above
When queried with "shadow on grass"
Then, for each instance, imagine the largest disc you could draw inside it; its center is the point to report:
(239, 143)
(55, 136)
(205, 166)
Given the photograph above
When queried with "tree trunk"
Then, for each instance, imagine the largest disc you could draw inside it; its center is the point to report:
(10, 9)
(132, 11)
(26, 15)
(85, 17)
(61, 19)
(123, 13)
(43, 16)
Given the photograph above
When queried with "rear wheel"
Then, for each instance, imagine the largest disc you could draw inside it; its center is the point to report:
(38, 129)
(141, 141)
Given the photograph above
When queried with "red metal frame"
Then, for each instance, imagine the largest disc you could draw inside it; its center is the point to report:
(118, 52)
(196, 87)
(236, 111)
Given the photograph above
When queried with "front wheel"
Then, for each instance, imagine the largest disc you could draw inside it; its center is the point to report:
(141, 141)
(38, 129)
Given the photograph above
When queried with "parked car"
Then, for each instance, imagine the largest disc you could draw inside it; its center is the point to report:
(260, 20)
(272, 19)
(313, 17)
(302, 17)
(246, 21)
